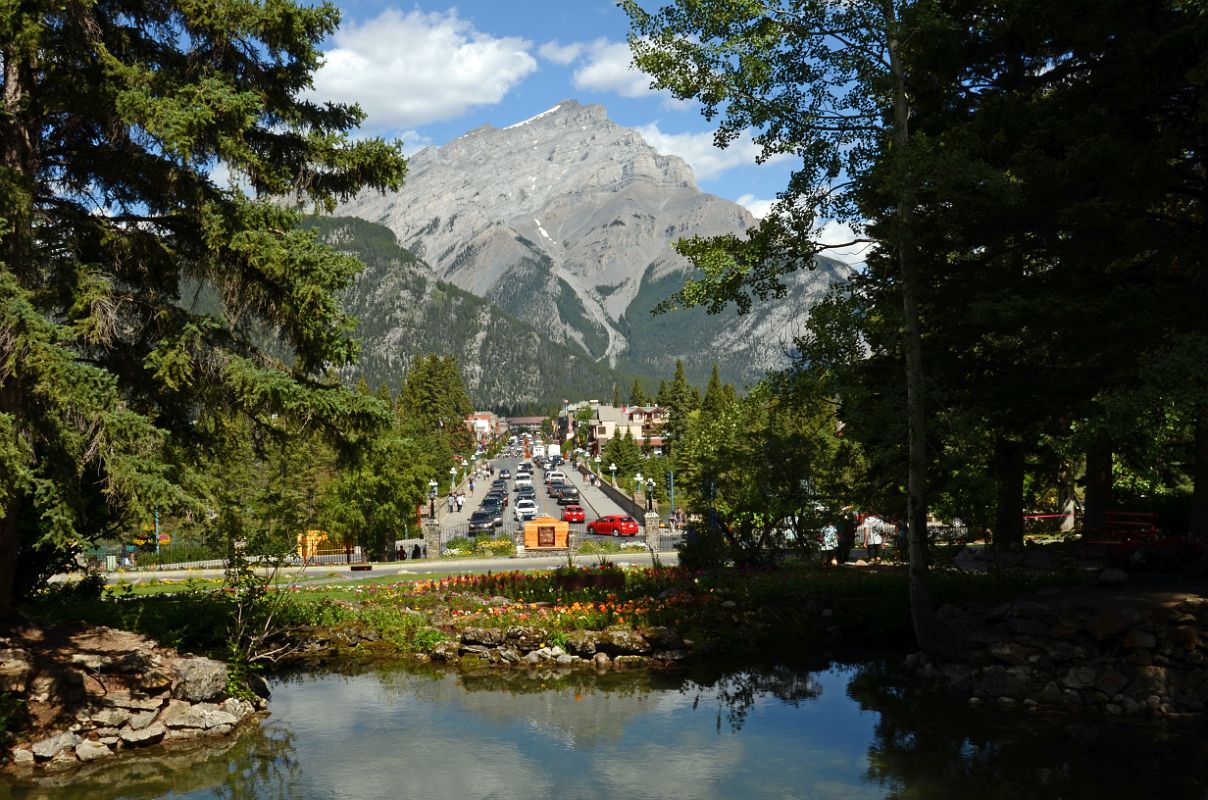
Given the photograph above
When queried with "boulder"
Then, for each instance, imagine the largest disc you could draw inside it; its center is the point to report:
(619, 641)
(47, 749)
(110, 717)
(146, 736)
(22, 757)
(200, 679)
(1080, 678)
(490, 637)
(1111, 622)
(662, 638)
(525, 638)
(601, 661)
(581, 643)
(90, 751)
(141, 719)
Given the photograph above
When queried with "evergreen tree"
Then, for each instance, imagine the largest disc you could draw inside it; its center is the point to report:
(636, 396)
(715, 396)
(114, 120)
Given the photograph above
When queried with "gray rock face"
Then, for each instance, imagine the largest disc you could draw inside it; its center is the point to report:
(91, 751)
(569, 218)
(149, 735)
(201, 679)
(49, 748)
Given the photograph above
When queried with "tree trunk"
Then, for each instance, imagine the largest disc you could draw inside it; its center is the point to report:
(1067, 498)
(1009, 473)
(1198, 528)
(922, 615)
(1098, 484)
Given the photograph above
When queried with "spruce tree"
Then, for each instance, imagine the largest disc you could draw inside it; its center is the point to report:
(116, 122)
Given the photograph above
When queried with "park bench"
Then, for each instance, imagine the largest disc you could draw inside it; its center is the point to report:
(1121, 528)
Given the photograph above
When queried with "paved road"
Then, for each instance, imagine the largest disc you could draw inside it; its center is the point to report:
(595, 503)
(334, 573)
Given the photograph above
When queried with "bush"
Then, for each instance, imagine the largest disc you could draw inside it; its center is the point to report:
(495, 547)
(459, 545)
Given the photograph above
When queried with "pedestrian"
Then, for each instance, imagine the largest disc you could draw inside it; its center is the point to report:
(872, 537)
(402, 552)
(415, 553)
(461, 500)
(471, 486)
(450, 501)
(830, 545)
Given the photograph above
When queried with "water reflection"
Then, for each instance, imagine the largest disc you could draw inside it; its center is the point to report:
(843, 732)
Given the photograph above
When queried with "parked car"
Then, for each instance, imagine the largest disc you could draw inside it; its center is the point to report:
(483, 521)
(525, 510)
(499, 497)
(555, 489)
(499, 484)
(614, 525)
(526, 491)
(555, 475)
(573, 514)
(569, 496)
(505, 473)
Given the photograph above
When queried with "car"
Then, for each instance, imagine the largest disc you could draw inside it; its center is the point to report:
(499, 483)
(614, 525)
(524, 466)
(555, 489)
(499, 497)
(524, 479)
(526, 493)
(573, 514)
(505, 473)
(525, 510)
(483, 520)
(555, 475)
(569, 496)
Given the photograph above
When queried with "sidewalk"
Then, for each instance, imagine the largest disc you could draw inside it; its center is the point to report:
(594, 501)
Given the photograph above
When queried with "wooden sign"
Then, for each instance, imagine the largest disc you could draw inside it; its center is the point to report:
(546, 533)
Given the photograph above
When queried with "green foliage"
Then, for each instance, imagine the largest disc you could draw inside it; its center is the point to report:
(110, 387)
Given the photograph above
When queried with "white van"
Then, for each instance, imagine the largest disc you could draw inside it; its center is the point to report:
(524, 479)
(555, 475)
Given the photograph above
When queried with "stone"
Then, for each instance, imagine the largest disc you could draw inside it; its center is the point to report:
(446, 651)
(663, 638)
(508, 655)
(992, 682)
(142, 719)
(1188, 637)
(629, 661)
(565, 660)
(110, 717)
(581, 643)
(202, 716)
(1110, 622)
(525, 638)
(200, 679)
(239, 709)
(1111, 682)
(123, 699)
(88, 750)
(1142, 639)
(618, 641)
(491, 637)
(1007, 653)
(22, 757)
(1080, 678)
(670, 655)
(602, 661)
(46, 749)
(1050, 694)
(146, 736)
(1032, 610)
(15, 671)
(532, 658)
(1027, 627)
(1112, 577)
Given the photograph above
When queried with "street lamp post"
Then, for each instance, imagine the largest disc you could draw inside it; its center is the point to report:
(613, 469)
(638, 481)
(452, 479)
(432, 499)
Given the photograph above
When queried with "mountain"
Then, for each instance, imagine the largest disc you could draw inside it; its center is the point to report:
(566, 221)
(403, 313)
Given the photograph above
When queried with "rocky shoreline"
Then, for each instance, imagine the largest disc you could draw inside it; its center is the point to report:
(91, 693)
(1117, 652)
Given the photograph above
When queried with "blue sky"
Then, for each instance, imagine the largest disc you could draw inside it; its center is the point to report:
(428, 72)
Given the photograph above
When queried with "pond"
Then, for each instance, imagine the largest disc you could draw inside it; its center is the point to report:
(844, 731)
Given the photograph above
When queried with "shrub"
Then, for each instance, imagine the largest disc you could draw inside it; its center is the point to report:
(495, 547)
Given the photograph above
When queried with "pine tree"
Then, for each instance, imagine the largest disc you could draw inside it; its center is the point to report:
(637, 397)
(715, 397)
(116, 121)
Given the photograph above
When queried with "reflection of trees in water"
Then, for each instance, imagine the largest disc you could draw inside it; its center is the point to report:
(927, 747)
(737, 692)
(258, 764)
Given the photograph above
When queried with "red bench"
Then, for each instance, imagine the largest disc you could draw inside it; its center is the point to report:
(1121, 528)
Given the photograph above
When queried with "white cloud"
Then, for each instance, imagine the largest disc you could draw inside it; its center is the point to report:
(560, 53)
(833, 232)
(408, 69)
(610, 68)
(757, 206)
(697, 149)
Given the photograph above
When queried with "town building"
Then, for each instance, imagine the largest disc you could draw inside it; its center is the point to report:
(600, 423)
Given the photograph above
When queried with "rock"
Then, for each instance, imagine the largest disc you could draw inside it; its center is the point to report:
(602, 661)
(993, 681)
(1110, 622)
(1142, 639)
(1112, 577)
(200, 679)
(446, 651)
(22, 757)
(508, 655)
(525, 638)
(532, 658)
(1079, 678)
(670, 655)
(565, 660)
(110, 717)
(1050, 694)
(1027, 627)
(239, 709)
(201, 716)
(1007, 653)
(123, 699)
(15, 671)
(1038, 612)
(146, 736)
(491, 637)
(618, 641)
(662, 638)
(581, 643)
(141, 720)
(626, 662)
(88, 750)
(1111, 682)
(47, 749)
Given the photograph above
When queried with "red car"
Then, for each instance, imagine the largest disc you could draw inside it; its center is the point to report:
(573, 514)
(614, 525)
